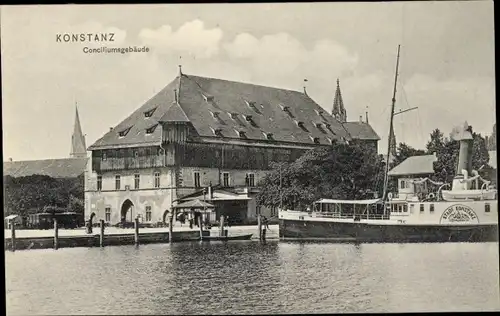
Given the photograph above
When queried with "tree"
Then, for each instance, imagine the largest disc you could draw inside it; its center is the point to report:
(436, 143)
(26, 195)
(341, 171)
(404, 151)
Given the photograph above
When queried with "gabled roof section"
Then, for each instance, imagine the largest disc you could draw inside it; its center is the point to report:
(140, 122)
(55, 168)
(174, 114)
(361, 130)
(415, 165)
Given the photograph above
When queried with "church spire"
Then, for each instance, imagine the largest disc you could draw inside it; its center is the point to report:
(78, 147)
(338, 110)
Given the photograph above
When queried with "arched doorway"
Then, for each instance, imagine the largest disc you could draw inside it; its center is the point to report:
(127, 213)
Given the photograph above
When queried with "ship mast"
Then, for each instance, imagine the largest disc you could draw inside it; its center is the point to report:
(391, 127)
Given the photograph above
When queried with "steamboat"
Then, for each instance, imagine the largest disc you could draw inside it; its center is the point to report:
(464, 211)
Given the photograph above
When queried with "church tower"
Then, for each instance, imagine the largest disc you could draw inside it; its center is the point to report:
(338, 110)
(78, 147)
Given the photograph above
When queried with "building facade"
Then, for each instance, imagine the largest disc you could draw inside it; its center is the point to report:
(203, 138)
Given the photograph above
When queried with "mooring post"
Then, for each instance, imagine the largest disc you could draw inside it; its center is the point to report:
(136, 234)
(101, 235)
(56, 234)
(170, 227)
(221, 225)
(13, 235)
(259, 224)
(200, 223)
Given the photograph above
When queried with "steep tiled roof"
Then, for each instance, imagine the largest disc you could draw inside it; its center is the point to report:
(233, 110)
(361, 130)
(416, 165)
(56, 168)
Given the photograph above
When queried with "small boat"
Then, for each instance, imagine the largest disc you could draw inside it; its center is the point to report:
(227, 238)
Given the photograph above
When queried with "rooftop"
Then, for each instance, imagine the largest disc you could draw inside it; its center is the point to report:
(55, 168)
(416, 165)
(219, 108)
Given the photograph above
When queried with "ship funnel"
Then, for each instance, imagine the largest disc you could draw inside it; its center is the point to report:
(463, 134)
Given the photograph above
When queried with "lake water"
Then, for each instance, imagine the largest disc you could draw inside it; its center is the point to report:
(253, 278)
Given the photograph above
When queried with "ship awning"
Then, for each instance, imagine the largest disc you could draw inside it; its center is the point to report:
(362, 202)
(11, 217)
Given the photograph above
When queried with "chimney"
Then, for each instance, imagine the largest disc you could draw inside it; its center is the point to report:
(110, 129)
(10, 159)
(361, 118)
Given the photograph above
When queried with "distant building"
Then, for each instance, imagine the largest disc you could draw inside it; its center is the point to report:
(206, 138)
(56, 168)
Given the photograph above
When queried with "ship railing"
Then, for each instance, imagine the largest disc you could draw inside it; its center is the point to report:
(349, 216)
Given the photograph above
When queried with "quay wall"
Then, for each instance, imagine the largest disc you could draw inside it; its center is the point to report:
(27, 243)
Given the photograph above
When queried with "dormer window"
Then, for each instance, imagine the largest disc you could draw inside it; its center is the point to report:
(124, 132)
(215, 115)
(241, 134)
(301, 125)
(251, 105)
(150, 130)
(331, 141)
(268, 136)
(315, 139)
(248, 118)
(233, 115)
(208, 98)
(320, 127)
(216, 131)
(320, 113)
(149, 113)
(284, 107)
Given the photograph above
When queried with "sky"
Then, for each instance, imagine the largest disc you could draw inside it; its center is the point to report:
(447, 66)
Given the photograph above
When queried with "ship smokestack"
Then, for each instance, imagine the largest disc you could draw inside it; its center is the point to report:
(463, 134)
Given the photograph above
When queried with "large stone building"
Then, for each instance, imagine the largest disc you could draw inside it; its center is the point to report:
(209, 139)
(71, 167)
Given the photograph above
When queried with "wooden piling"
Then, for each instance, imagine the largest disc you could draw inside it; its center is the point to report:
(221, 233)
(136, 233)
(13, 235)
(200, 224)
(259, 224)
(101, 235)
(170, 227)
(264, 234)
(56, 234)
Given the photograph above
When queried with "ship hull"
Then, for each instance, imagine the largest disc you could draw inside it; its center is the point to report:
(387, 233)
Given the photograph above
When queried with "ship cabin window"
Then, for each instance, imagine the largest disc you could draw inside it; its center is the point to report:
(421, 208)
(431, 209)
(487, 207)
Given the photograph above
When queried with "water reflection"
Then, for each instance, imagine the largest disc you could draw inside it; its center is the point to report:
(251, 277)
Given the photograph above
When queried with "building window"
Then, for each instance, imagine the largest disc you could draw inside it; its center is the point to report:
(225, 179)
(148, 214)
(117, 182)
(402, 184)
(107, 214)
(137, 179)
(196, 176)
(431, 208)
(104, 156)
(136, 153)
(421, 208)
(250, 180)
(99, 183)
(157, 179)
(487, 207)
